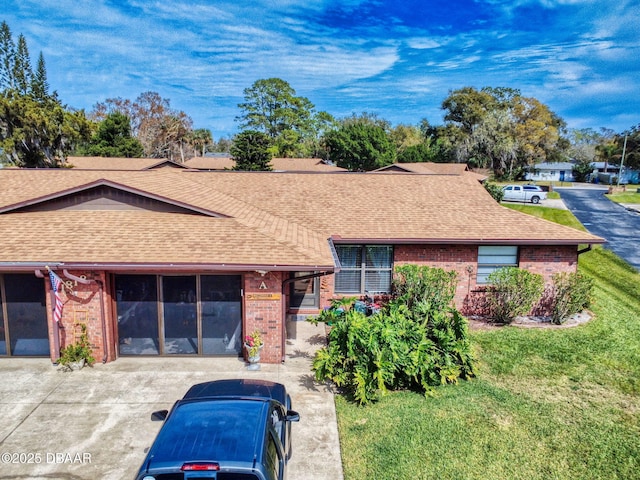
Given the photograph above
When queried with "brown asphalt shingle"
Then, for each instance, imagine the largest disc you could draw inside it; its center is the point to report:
(251, 218)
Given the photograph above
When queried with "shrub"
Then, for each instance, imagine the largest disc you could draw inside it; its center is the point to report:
(78, 351)
(495, 191)
(513, 292)
(571, 294)
(400, 347)
(413, 284)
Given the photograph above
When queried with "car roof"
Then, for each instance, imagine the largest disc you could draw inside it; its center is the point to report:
(227, 431)
(239, 388)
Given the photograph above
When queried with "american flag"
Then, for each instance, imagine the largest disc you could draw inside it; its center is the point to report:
(56, 283)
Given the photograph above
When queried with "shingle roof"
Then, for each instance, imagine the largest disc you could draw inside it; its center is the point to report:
(117, 163)
(270, 219)
(277, 164)
(198, 163)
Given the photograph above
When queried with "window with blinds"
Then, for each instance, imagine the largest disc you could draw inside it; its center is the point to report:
(493, 257)
(365, 268)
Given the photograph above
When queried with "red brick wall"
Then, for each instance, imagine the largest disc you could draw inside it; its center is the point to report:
(81, 306)
(460, 258)
(463, 259)
(549, 260)
(264, 311)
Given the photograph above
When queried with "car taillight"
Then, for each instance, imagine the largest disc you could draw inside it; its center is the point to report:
(200, 467)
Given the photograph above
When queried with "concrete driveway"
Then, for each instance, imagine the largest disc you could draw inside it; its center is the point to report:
(95, 423)
(616, 223)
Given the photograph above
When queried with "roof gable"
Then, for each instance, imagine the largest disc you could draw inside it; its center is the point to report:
(106, 195)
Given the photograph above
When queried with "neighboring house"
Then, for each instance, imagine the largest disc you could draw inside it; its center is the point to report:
(208, 163)
(120, 163)
(431, 168)
(551, 172)
(183, 262)
(277, 164)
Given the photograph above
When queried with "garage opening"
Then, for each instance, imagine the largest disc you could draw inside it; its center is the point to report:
(179, 314)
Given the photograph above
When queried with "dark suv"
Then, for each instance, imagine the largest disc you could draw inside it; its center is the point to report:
(224, 430)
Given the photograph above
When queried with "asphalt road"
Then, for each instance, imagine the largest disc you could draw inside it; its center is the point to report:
(602, 217)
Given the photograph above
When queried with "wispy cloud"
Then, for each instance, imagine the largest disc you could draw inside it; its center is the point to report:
(397, 59)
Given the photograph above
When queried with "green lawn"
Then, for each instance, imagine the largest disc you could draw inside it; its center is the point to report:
(559, 403)
(625, 197)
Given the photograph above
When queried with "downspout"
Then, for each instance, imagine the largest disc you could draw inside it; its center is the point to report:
(103, 325)
(585, 250)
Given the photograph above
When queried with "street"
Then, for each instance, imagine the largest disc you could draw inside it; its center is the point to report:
(606, 219)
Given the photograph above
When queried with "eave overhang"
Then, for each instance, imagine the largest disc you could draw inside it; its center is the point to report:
(162, 267)
(337, 240)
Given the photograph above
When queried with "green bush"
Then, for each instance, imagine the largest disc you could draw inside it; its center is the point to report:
(495, 191)
(513, 292)
(413, 284)
(571, 294)
(400, 347)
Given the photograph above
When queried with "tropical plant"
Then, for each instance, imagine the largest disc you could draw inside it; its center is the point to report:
(400, 347)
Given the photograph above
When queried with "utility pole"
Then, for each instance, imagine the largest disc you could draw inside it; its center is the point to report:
(624, 149)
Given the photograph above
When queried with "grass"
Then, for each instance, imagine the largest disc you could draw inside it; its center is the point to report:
(547, 404)
(625, 197)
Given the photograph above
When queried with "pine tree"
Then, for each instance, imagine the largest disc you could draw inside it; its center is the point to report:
(39, 84)
(22, 72)
(7, 58)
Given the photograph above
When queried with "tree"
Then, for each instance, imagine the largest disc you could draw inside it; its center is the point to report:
(113, 138)
(7, 57)
(22, 72)
(39, 83)
(632, 152)
(360, 144)
(251, 151)
(271, 106)
(36, 130)
(501, 129)
(201, 138)
(162, 131)
(38, 133)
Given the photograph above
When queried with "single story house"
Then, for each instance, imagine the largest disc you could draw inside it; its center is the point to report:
(175, 261)
(551, 172)
(222, 162)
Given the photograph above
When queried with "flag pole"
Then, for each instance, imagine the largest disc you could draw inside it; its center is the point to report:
(55, 326)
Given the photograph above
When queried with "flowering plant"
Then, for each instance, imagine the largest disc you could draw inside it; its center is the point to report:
(253, 343)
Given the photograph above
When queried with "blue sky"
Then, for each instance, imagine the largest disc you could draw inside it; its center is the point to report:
(395, 58)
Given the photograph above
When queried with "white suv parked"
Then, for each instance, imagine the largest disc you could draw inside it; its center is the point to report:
(523, 193)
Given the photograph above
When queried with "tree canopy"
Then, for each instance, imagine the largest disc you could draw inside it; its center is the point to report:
(502, 129)
(360, 144)
(272, 107)
(36, 130)
(113, 138)
(251, 151)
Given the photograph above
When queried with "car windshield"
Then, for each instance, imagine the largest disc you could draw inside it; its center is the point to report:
(214, 430)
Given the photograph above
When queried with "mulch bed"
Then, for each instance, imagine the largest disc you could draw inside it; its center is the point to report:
(483, 323)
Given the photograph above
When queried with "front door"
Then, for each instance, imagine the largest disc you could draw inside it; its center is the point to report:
(304, 292)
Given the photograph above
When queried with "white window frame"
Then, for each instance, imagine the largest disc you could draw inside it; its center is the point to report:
(364, 273)
(494, 257)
